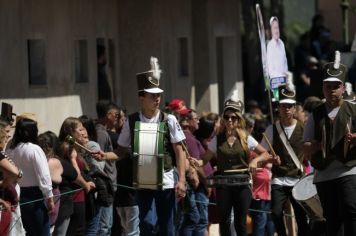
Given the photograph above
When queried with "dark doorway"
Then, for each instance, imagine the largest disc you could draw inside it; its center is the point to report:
(104, 87)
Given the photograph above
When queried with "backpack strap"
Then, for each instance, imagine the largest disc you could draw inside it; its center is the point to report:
(287, 145)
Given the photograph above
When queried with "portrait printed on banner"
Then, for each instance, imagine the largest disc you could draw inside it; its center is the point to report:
(277, 65)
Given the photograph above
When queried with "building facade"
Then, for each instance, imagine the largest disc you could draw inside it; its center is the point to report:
(50, 53)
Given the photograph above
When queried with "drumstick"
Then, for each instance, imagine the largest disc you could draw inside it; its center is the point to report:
(240, 170)
(348, 124)
(190, 159)
(236, 171)
(269, 144)
(237, 166)
(69, 139)
(349, 130)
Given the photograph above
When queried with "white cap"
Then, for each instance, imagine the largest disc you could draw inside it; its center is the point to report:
(287, 101)
(153, 90)
(332, 79)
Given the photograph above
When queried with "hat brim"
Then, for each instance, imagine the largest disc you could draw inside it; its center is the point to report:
(153, 90)
(183, 111)
(232, 108)
(332, 79)
(287, 101)
(29, 116)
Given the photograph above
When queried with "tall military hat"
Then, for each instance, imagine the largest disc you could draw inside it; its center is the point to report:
(149, 81)
(233, 102)
(6, 112)
(334, 71)
(287, 91)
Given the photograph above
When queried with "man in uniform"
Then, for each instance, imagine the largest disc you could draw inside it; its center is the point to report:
(330, 140)
(285, 137)
(149, 95)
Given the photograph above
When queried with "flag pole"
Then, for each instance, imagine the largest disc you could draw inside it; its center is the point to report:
(261, 33)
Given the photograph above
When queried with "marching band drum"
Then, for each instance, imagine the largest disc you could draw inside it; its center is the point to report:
(233, 177)
(228, 180)
(304, 192)
(148, 155)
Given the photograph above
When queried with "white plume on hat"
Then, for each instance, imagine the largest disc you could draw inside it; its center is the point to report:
(234, 96)
(233, 101)
(289, 81)
(348, 88)
(337, 60)
(155, 68)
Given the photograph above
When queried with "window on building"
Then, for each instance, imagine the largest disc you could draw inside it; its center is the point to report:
(111, 64)
(81, 61)
(104, 81)
(36, 61)
(183, 57)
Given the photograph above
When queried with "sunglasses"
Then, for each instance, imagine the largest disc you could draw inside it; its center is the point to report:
(286, 105)
(233, 118)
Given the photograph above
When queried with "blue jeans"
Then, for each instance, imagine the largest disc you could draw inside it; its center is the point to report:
(129, 218)
(260, 219)
(165, 209)
(105, 222)
(195, 221)
(92, 226)
(34, 215)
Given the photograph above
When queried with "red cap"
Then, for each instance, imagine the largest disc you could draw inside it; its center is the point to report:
(176, 104)
(183, 111)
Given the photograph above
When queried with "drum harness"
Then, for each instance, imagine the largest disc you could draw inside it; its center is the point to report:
(289, 148)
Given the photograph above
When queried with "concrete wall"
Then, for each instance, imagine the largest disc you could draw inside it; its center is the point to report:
(134, 30)
(217, 52)
(332, 13)
(58, 23)
(152, 28)
(201, 22)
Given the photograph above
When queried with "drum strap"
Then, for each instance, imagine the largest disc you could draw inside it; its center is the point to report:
(289, 148)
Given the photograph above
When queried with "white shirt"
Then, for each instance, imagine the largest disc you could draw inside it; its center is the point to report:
(32, 161)
(276, 59)
(175, 132)
(284, 181)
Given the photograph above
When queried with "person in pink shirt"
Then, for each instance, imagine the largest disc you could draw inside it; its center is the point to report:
(261, 192)
(261, 202)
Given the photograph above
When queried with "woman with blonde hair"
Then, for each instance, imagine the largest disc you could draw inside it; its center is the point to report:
(232, 146)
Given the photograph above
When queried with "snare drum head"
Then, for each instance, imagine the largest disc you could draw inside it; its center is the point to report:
(304, 189)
